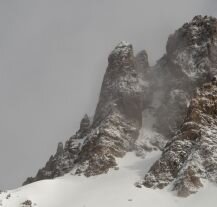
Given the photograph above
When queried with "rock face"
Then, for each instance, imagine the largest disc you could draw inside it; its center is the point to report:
(63, 161)
(192, 153)
(118, 115)
(115, 127)
(188, 64)
(140, 108)
(121, 90)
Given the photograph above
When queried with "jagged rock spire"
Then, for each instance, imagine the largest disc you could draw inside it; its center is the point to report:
(118, 115)
(120, 84)
(117, 121)
(164, 92)
(190, 155)
(192, 49)
(188, 63)
(195, 33)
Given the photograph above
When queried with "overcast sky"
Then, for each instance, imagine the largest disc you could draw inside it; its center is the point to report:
(53, 55)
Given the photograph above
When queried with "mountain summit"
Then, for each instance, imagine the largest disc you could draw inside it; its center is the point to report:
(154, 126)
(115, 127)
(140, 108)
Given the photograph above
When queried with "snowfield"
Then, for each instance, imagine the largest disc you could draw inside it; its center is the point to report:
(117, 189)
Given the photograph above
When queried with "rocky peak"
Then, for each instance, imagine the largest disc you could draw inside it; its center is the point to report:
(121, 55)
(116, 124)
(118, 115)
(192, 48)
(120, 83)
(158, 99)
(190, 61)
(199, 32)
(191, 155)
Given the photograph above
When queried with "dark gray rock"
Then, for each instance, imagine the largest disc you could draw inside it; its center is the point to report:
(118, 116)
(188, 63)
(191, 155)
(116, 124)
(133, 92)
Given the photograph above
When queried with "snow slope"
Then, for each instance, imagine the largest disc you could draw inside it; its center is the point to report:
(116, 188)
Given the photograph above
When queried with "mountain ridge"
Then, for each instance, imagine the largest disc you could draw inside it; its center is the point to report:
(141, 108)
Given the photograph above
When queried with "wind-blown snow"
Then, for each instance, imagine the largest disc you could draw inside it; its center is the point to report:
(117, 188)
(149, 139)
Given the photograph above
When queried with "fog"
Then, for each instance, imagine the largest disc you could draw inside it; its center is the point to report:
(53, 55)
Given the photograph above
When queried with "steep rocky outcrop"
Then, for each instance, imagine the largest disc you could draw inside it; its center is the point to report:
(140, 108)
(188, 63)
(192, 154)
(116, 124)
(63, 161)
(118, 116)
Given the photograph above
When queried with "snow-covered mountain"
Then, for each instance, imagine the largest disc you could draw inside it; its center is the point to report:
(154, 128)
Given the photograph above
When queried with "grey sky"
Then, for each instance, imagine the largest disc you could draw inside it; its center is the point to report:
(53, 55)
